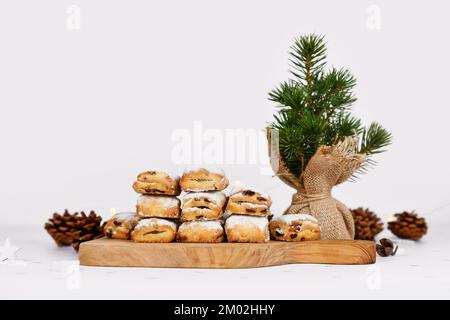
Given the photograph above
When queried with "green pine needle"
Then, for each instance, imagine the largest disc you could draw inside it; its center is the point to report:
(374, 139)
(314, 108)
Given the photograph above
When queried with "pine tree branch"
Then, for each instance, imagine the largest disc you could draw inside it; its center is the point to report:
(308, 57)
(289, 94)
(314, 108)
(334, 91)
(374, 139)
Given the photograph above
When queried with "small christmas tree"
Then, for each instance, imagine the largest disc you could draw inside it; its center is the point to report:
(320, 143)
(315, 108)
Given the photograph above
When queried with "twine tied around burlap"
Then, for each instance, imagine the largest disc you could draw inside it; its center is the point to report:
(330, 166)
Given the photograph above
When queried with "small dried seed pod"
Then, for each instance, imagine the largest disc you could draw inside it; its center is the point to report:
(386, 248)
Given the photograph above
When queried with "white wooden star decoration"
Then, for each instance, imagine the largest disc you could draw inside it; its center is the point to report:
(8, 252)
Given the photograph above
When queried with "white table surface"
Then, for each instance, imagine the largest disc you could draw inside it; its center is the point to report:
(44, 271)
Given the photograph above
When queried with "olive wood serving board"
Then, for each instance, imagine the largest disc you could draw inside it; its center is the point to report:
(121, 253)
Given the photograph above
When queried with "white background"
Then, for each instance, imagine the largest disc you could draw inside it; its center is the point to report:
(83, 111)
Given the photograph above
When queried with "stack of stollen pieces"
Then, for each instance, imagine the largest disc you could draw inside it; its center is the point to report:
(248, 214)
(202, 206)
(158, 212)
(157, 207)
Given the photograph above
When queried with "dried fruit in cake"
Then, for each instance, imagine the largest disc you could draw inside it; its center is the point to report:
(198, 180)
(201, 231)
(249, 202)
(199, 206)
(157, 183)
(294, 227)
(154, 230)
(121, 225)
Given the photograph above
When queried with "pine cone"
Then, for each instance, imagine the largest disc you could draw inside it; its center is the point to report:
(367, 224)
(72, 229)
(408, 226)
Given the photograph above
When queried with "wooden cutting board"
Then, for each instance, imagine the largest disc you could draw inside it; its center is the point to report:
(120, 253)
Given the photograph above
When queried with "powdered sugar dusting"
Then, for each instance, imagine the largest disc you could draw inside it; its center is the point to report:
(209, 169)
(235, 192)
(192, 209)
(227, 214)
(172, 176)
(155, 222)
(253, 205)
(289, 218)
(210, 225)
(125, 216)
(218, 197)
(260, 222)
(161, 200)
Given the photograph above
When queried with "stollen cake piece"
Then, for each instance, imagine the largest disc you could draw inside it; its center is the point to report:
(200, 206)
(154, 230)
(201, 231)
(121, 225)
(157, 183)
(295, 227)
(150, 206)
(240, 228)
(199, 180)
(249, 202)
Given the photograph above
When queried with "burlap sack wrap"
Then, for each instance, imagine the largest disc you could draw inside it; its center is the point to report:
(330, 166)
